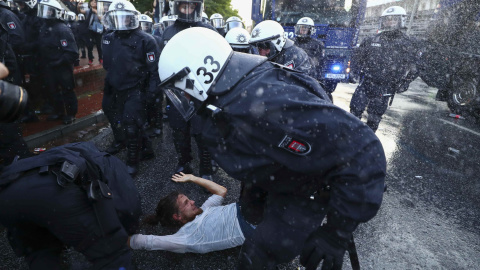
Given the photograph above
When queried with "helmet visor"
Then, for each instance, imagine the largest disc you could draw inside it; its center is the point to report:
(185, 104)
(217, 23)
(234, 24)
(390, 22)
(102, 7)
(266, 48)
(121, 20)
(302, 30)
(146, 27)
(188, 11)
(47, 12)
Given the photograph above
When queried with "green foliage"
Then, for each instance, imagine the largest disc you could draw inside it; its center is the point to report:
(143, 5)
(223, 7)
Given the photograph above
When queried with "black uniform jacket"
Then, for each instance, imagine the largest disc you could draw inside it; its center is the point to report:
(295, 58)
(279, 131)
(131, 59)
(57, 45)
(315, 50)
(385, 58)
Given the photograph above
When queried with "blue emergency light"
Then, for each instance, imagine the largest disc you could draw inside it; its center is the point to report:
(336, 67)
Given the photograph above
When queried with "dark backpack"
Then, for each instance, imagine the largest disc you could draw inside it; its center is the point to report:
(103, 177)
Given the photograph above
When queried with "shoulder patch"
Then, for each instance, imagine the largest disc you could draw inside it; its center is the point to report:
(295, 146)
(106, 41)
(376, 45)
(63, 42)
(11, 25)
(151, 56)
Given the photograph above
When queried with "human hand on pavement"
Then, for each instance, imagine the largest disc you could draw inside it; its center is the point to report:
(183, 178)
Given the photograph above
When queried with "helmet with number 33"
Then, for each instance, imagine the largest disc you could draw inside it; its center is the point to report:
(197, 63)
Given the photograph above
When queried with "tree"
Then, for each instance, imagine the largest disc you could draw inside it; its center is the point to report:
(223, 7)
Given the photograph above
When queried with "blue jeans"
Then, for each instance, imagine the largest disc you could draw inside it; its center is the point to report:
(247, 228)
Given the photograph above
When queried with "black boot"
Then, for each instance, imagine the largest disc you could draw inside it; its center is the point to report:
(157, 130)
(147, 150)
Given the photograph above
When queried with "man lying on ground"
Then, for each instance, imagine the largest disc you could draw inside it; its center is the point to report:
(209, 228)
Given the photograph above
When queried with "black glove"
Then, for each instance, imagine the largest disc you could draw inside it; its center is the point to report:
(325, 244)
(328, 243)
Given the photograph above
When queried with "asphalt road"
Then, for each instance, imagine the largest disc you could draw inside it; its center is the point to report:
(430, 217)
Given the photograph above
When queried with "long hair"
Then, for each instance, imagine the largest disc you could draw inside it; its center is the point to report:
(164, 212)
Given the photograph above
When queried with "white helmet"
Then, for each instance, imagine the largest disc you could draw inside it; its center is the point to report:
(269, 35)
(393, 18)
(197, 63)
(102, 6)
(168, 20)
(217, 20)
(238, 39)
(50, 9)
(81, 17)
(188, 10)
(29, 3)
(121, 15)
(69, 16)
(205, 18)
(233, 22)
(146, 23)
(305, 27)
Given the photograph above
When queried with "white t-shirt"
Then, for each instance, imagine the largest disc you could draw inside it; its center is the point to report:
(217, 228)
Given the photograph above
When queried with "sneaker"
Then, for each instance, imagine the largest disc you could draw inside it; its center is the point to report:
(101, 61)
(90, 62)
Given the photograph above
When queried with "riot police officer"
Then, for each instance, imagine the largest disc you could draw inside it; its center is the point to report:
(58, 51)
(189, 14)
(77, 197)
(217, 21)
(131, 61)
(238, 38)
(386, 64)
(154, 105)
(275, 129)
(270, 40)
(10, 22)
(233, 22)
(304, 30)
(30, 59)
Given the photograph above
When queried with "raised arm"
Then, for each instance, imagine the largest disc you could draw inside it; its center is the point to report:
(212, 187)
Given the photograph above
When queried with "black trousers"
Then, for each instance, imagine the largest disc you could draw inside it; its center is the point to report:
(287, 222)
(59, 84)
(371, 96)
(50, 217)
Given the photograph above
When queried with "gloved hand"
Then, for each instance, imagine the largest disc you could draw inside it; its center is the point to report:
(327, 244)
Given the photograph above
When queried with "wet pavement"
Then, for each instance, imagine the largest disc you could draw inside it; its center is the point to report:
(429, 218)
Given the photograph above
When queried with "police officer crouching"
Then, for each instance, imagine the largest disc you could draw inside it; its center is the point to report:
(276, 130)
(131, 60)
(58, 53)
(386, 64)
